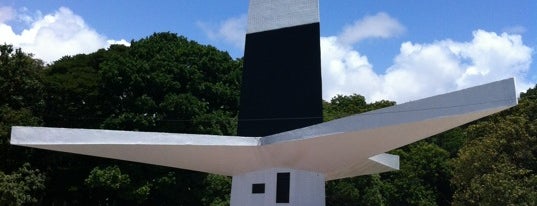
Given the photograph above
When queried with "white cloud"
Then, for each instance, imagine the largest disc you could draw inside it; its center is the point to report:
(6, 14)
(122, 41)
(53, 36)
(231, 31)
(380, 25)
(343, 67)
(422, 70)
(515, 29)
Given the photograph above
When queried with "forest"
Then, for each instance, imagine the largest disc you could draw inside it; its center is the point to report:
(167, 83)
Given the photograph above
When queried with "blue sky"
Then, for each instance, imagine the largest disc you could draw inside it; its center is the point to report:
(398, 50)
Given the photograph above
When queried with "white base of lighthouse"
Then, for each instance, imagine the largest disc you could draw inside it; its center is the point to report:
(278, 186)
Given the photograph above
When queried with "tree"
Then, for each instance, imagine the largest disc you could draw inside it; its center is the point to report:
(341, 106)
(111, 186)
(20, 104)
(363, 190)
(497, 166)
(168, 83)
(20, 80)
(162, 83)
(21, 96)
(423, 178)
(13, 157)
(22, 187)
(72, 86)
(217, 190)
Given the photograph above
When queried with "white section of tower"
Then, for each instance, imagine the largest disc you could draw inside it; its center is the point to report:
(305, 188)
(265, 15)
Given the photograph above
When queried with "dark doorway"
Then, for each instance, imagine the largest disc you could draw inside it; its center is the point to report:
(283, 183)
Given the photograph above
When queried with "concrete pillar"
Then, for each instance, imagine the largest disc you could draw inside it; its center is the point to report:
(278, 186)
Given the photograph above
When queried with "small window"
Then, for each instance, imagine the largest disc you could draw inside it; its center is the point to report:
(283, 181)
(258, 188)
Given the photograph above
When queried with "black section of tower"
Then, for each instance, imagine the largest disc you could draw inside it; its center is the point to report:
(281, 86)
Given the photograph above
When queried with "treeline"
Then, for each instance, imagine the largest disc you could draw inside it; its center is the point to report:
(167, 83)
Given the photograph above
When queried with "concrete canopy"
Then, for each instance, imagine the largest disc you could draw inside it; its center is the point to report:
(345, 147)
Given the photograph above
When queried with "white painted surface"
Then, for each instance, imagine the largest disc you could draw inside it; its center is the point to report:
(495, 95)
(341, 148)
(116, 137)
(265, 15)
(306, 188)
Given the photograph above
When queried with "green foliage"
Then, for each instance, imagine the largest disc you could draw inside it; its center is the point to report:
(177, 188)
(22, 187)
(423, 178)
(342, 192)
(72, 91)
(20, 82)
(217, 190)
(108, 179)
(497, 166)
(20, 101)
(167, 83)
(20, 104)
(451, 140)
(111, 186)
(363, 190)
(12, 156)
(20, 90)
(341, 106)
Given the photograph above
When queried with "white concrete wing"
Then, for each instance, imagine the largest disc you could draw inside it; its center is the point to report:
(207, 153)
(345, 147)
(341, 148)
